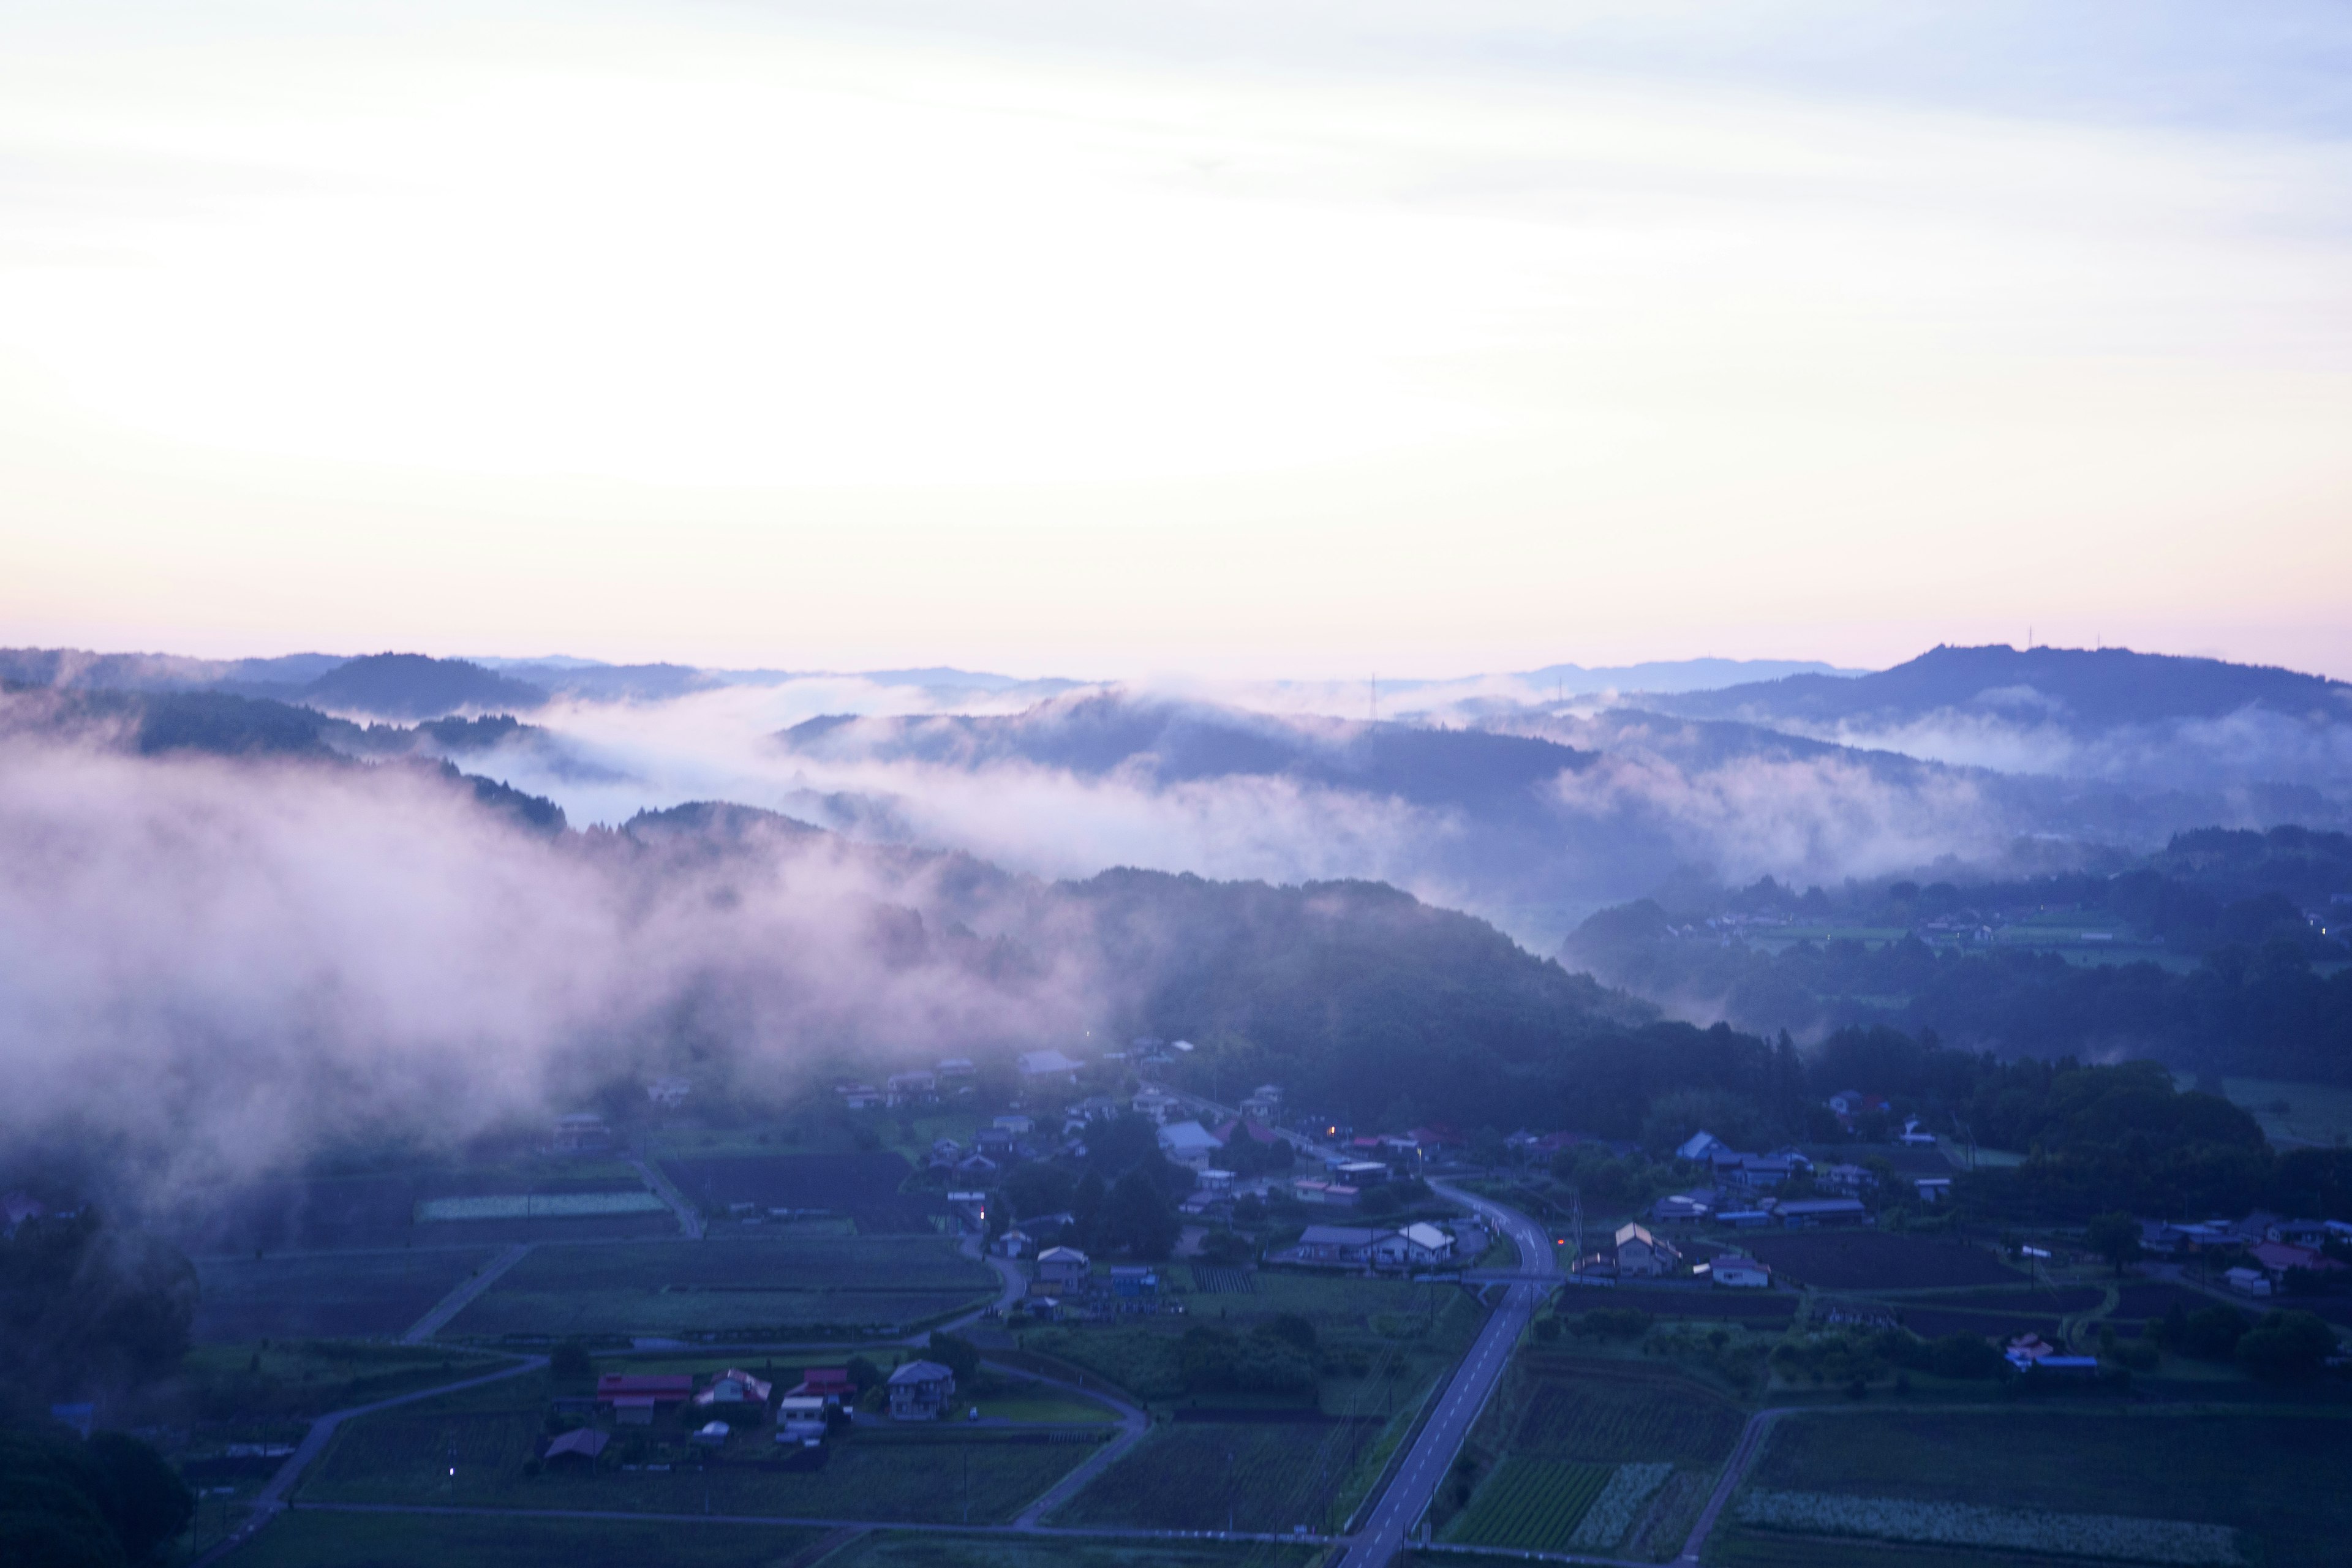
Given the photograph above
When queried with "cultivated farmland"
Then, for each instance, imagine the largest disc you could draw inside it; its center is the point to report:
(1200, 1476)
(895, 1549)
(1606, 1412)
(1876, 1260)
(1931, 1324)
(315, 1539)
(2277, 1475)
(1728, 1305)
(1531, 1503)
(326, 1295)
(863, 1186)
(488, 1437)
(827, 1284)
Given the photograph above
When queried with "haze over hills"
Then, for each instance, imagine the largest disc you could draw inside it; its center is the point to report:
(2107, 713)
(1532, 813)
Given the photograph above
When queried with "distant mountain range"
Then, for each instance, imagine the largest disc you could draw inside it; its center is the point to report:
(2082, 691)
(1526, 807)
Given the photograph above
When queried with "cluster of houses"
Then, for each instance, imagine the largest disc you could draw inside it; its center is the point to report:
(1637, 1252)
(2273, 1247)
(1401, 1249)
(1065, 1285)
(803, 1414)
(914, 1087)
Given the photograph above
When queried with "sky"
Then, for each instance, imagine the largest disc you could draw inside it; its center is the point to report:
(1313, 340)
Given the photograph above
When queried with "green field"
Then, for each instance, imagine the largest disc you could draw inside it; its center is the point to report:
(308, 1377)
(1215, 1476)
(2295, 1113)
(895, 1549)
(932, 1475)
(309, 1538)
(327, 1295)
(1385, 1337)
(1532, 1503)
(816, 1284)
(2279, 1476)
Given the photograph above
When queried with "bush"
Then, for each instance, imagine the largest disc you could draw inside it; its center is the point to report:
(957, 1354)
(2210, 1334)
(1224, 1248)
(2287, 1347)
(1967, 1356)
(1217, 1360)
(1613, 1324)
(570, 1363)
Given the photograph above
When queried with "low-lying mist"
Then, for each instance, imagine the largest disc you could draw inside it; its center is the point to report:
(210, 967)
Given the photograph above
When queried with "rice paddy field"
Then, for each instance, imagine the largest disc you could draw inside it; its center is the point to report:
(2271, 1481)
(326, 1295)
(779, 1288)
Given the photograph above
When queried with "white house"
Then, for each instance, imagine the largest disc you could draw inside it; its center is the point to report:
(1049, 1064)
(1418, 1246)
(1639, 1253)
(1699, 1145)
(1741, 1273)
(1915, 1137)
(1156, 1104)
(1336, 1243)
(920, 1391)
(1063, 1265)
(799, 1418)
(2247, 1281)
(1188, 1143)
(668, 1093)
(911, 1088)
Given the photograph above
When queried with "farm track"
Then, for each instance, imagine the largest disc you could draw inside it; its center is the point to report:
(273, 1499)
(689, 1218)
(457, 1300)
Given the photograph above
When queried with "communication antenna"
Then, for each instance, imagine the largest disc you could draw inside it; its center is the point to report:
(1373, 687)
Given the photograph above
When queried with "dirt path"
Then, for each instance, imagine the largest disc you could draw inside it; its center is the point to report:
(456, 1300)
(1751, 1437)
(689, 1218)
(272, 1500)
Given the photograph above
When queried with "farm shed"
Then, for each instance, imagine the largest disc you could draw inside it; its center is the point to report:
(579, 1447)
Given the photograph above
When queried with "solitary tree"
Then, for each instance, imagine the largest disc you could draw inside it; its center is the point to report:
(2115, 1236)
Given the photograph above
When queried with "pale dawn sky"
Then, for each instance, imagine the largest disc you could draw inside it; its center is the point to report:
(1242, 339)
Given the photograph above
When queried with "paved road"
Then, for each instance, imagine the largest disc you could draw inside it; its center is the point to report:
(1133, 1426)
(456, 1300)
(1425, 1467)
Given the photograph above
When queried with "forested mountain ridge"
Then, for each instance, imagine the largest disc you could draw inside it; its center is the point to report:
(2079, 689)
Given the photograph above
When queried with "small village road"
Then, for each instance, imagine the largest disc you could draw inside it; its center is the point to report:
(1751, 1437)
(1425, 1467)
(271, 1500)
